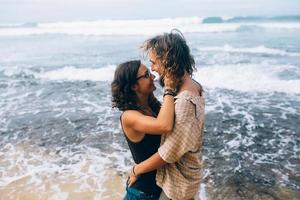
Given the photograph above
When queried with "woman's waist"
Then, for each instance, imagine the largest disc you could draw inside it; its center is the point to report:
(147, 183)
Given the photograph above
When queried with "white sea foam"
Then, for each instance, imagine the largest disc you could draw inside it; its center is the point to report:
(261, 77)
(202, 194)
(257, 49)
(248, 78)
(108, 27)
(55, 172)
(79, 74)
(234, 143)
(137, 27)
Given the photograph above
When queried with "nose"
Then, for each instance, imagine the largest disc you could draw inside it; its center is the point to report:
(153, 68)
(152, 76)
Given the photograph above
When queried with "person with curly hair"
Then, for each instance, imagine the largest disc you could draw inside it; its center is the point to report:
(143, 120)
(179, 159)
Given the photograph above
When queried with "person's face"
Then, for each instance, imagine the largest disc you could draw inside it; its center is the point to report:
(144, 80)
(155, 63)
(156, 66)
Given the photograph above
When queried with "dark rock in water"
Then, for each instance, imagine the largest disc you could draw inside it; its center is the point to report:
(211, 20)
(249, 185)
(251, 192)
(294, 176)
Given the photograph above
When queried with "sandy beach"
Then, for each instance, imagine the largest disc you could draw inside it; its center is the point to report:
(23, 189)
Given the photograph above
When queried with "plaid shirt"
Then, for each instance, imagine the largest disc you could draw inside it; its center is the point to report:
(180, 178)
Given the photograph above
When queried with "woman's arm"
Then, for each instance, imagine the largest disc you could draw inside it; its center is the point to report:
(146, 124)
(152, 163)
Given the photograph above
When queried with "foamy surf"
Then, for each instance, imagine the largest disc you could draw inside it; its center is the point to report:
(138, 27)
(262, 77)
(79, 74)
(253, 50)
(248, 78)
(68, 73)
(39, 173)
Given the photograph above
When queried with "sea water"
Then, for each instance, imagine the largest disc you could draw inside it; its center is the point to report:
(60, 138)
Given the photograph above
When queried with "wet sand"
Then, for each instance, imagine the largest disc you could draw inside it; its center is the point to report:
(27, 178)
(113, 189)
(23, 189)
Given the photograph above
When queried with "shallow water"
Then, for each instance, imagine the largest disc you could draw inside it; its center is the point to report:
(60, 139)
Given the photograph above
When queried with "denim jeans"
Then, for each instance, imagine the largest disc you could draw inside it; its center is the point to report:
(163, 196)
(134, 194)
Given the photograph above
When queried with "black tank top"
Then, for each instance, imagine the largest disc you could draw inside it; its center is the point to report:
(141, 151)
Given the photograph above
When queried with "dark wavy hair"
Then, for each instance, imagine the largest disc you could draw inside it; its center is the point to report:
(174, 54)
(123, 96)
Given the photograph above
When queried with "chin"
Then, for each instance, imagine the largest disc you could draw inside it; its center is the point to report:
(161, 82)
(153, 88)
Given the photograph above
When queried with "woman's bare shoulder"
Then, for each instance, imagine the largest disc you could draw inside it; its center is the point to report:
(129, 116)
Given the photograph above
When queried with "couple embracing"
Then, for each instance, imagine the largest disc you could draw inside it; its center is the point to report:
(165, 139)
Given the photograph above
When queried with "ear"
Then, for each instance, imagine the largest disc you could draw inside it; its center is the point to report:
(134, 87)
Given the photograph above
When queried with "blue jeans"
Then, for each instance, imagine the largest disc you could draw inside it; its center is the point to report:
(134, 194)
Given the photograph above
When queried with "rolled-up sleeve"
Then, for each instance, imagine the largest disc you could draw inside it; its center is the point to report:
(181, 140)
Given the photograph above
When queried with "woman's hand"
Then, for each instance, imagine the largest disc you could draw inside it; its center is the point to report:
(131, 180)
(132, 177)
(169, 82)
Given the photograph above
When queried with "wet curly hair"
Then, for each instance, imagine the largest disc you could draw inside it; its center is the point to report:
(123, 96)
(173, 53)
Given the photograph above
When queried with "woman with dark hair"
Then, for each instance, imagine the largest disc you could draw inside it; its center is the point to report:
(143, 120)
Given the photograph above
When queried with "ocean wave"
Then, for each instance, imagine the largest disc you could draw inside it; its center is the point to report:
(250, 28)
(253, 50)
(248, 78)
(239, 19)
(68, 73)
(22, 25)
(79, 74)
(261, 77)
(140, 27)
(108, 27)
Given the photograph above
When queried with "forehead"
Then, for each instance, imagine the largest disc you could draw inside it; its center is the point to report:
(142, 69)
(152, 55)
